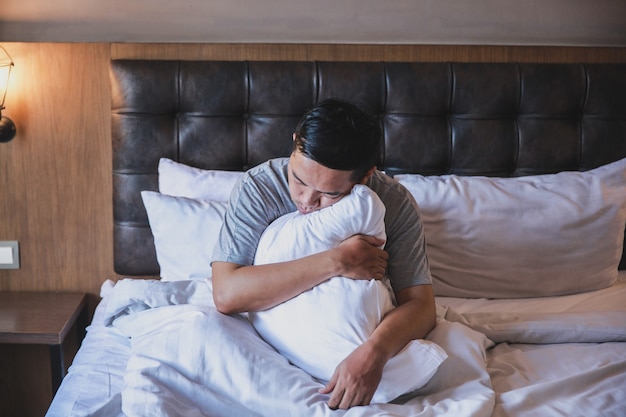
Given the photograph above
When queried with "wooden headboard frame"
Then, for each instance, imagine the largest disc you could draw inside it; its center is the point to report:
(438, 118)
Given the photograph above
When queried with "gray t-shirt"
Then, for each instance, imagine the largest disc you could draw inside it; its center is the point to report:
(263, 195)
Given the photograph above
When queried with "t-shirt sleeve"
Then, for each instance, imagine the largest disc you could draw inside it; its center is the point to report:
(406, 244)
(258, 199)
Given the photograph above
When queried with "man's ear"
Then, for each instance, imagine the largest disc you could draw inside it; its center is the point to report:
(367, 176)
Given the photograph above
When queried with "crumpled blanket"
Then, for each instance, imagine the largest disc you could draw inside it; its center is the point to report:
(188, 359)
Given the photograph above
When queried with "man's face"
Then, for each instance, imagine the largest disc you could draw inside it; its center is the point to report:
(314, 186)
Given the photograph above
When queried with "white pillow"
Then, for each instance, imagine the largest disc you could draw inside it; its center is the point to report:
(519, 237)
(185, 232)
(181, 180)
(317, 329)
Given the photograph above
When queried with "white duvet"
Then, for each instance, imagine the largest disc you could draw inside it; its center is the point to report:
(186, 359)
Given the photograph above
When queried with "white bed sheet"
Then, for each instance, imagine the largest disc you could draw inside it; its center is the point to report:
(574, 379)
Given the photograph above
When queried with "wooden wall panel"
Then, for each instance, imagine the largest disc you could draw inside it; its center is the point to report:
(338, 52)
(55, 176)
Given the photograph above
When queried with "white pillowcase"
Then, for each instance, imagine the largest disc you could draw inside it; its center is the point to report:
(187, 216)
(185, 232)
(317, 329)
(519, 237)
(185, 181)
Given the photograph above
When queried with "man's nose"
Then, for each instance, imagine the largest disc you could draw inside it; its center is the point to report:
(309, 199)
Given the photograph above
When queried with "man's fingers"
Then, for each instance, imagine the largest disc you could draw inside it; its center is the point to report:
(373, 240)
(328, 388)
(337, 399)
(347, 401)
(367, 399)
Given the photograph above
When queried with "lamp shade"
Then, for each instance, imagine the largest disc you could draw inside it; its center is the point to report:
(6, 63)
(7, 127)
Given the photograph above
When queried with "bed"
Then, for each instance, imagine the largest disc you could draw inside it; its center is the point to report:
(520, 174)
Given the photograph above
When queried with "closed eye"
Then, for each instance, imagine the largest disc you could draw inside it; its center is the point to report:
(333, 195)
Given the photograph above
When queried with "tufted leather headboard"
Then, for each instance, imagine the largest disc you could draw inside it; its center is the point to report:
(438, 118)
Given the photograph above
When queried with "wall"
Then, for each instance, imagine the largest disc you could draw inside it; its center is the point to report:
(55, 175)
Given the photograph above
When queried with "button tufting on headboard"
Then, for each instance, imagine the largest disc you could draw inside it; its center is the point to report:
(437, 118)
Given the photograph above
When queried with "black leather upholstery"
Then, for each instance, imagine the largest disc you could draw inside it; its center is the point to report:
(438, 118)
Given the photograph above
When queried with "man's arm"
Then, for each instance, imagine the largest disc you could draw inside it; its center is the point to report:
(356, 378)
(239, 288)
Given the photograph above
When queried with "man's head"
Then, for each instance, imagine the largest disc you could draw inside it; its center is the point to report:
(339, 135)
(336, 145)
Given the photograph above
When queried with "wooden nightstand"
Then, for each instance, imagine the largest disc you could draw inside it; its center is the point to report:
(43, 318)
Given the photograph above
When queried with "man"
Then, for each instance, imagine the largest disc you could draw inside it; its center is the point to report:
(336, 146)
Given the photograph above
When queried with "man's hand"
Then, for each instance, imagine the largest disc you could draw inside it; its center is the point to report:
(356, 378)
(238, 288)
(361, 257)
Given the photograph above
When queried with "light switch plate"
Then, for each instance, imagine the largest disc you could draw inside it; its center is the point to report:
(9, 254)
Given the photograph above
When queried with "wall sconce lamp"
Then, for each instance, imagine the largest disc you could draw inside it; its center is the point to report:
(7, 127)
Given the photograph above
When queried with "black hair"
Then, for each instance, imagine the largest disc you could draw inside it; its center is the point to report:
(339, 135)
